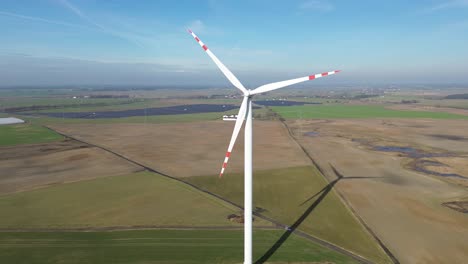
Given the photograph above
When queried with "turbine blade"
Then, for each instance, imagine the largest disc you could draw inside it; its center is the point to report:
(277, 85)
(235, 133)
(220, 65)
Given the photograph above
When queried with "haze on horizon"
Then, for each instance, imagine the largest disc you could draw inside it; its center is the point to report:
(88, 42)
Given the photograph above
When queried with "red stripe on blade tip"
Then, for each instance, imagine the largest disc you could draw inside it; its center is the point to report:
(325, 74)
(197, 39)
(224, 165)
(228, 154)
(311, 77)
(205, 47)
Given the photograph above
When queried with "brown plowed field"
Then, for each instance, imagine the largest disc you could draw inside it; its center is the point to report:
(191, 149)
(26, 167)
(402, 206)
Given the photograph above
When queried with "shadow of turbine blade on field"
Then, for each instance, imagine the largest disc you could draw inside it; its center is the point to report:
(340, 177)
(321, 196)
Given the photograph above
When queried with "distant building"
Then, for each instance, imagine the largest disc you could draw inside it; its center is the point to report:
(10, 120)
(229, 117)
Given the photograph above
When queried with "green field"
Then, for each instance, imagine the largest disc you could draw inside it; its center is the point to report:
(356, 111)
(156, 246)
(26, 134)
(68, 104)
(63, 102)
(44, 120)
(95, 105)
(142, 198)
(288, 194)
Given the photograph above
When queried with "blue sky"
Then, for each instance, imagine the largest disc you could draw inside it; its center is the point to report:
(57, 42)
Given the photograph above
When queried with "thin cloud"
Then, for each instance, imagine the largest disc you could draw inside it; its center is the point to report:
(450, 4)
(39, 19)
(318, 5)
(80, 14)
(197, 26)
(23, 69)
(134, 38)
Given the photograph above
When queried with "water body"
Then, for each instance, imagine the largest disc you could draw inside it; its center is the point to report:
(450, 137)
(170, 110)
(406, 150)
(420, 164)
(410, 152)
(419, 168)
(281, 103)
(311, 134)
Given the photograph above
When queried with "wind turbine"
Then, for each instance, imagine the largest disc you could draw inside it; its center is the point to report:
(245, 113)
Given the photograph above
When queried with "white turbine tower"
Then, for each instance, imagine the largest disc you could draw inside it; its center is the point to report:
(245, 113)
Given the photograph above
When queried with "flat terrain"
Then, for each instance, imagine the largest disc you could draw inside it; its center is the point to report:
(156, 246)
(300, 197)
(194, 148)
(428, 108)
(182, 118)
(139, 199)
(169, 110)
(26, 167)
(356, 111)
(401, 205)
(400, 167)
(26, 134)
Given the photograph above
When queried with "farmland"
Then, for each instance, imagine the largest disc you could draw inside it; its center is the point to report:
(129, 120)
(164, 147)
(27, 167)
(388, 171)
(290, 194)
(26, 134)
(139, 199)
(143, 143)
(122, 202)
(156, 246)
(356, 111)
(400, 202)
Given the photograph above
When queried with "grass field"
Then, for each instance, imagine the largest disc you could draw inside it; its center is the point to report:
(142, 198)
(289, 194)
(68, 104)
(60, 101)
(156, 246)
(44, 120)
(26, 134)
(356, 111)
(94, 105)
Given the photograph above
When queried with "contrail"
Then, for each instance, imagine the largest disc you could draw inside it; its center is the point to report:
(74, 9)
(40, 19)
(80, 14)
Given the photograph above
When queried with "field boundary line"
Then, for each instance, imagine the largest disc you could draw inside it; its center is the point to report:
(309, 237)
(344, 200)
(131, 228)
